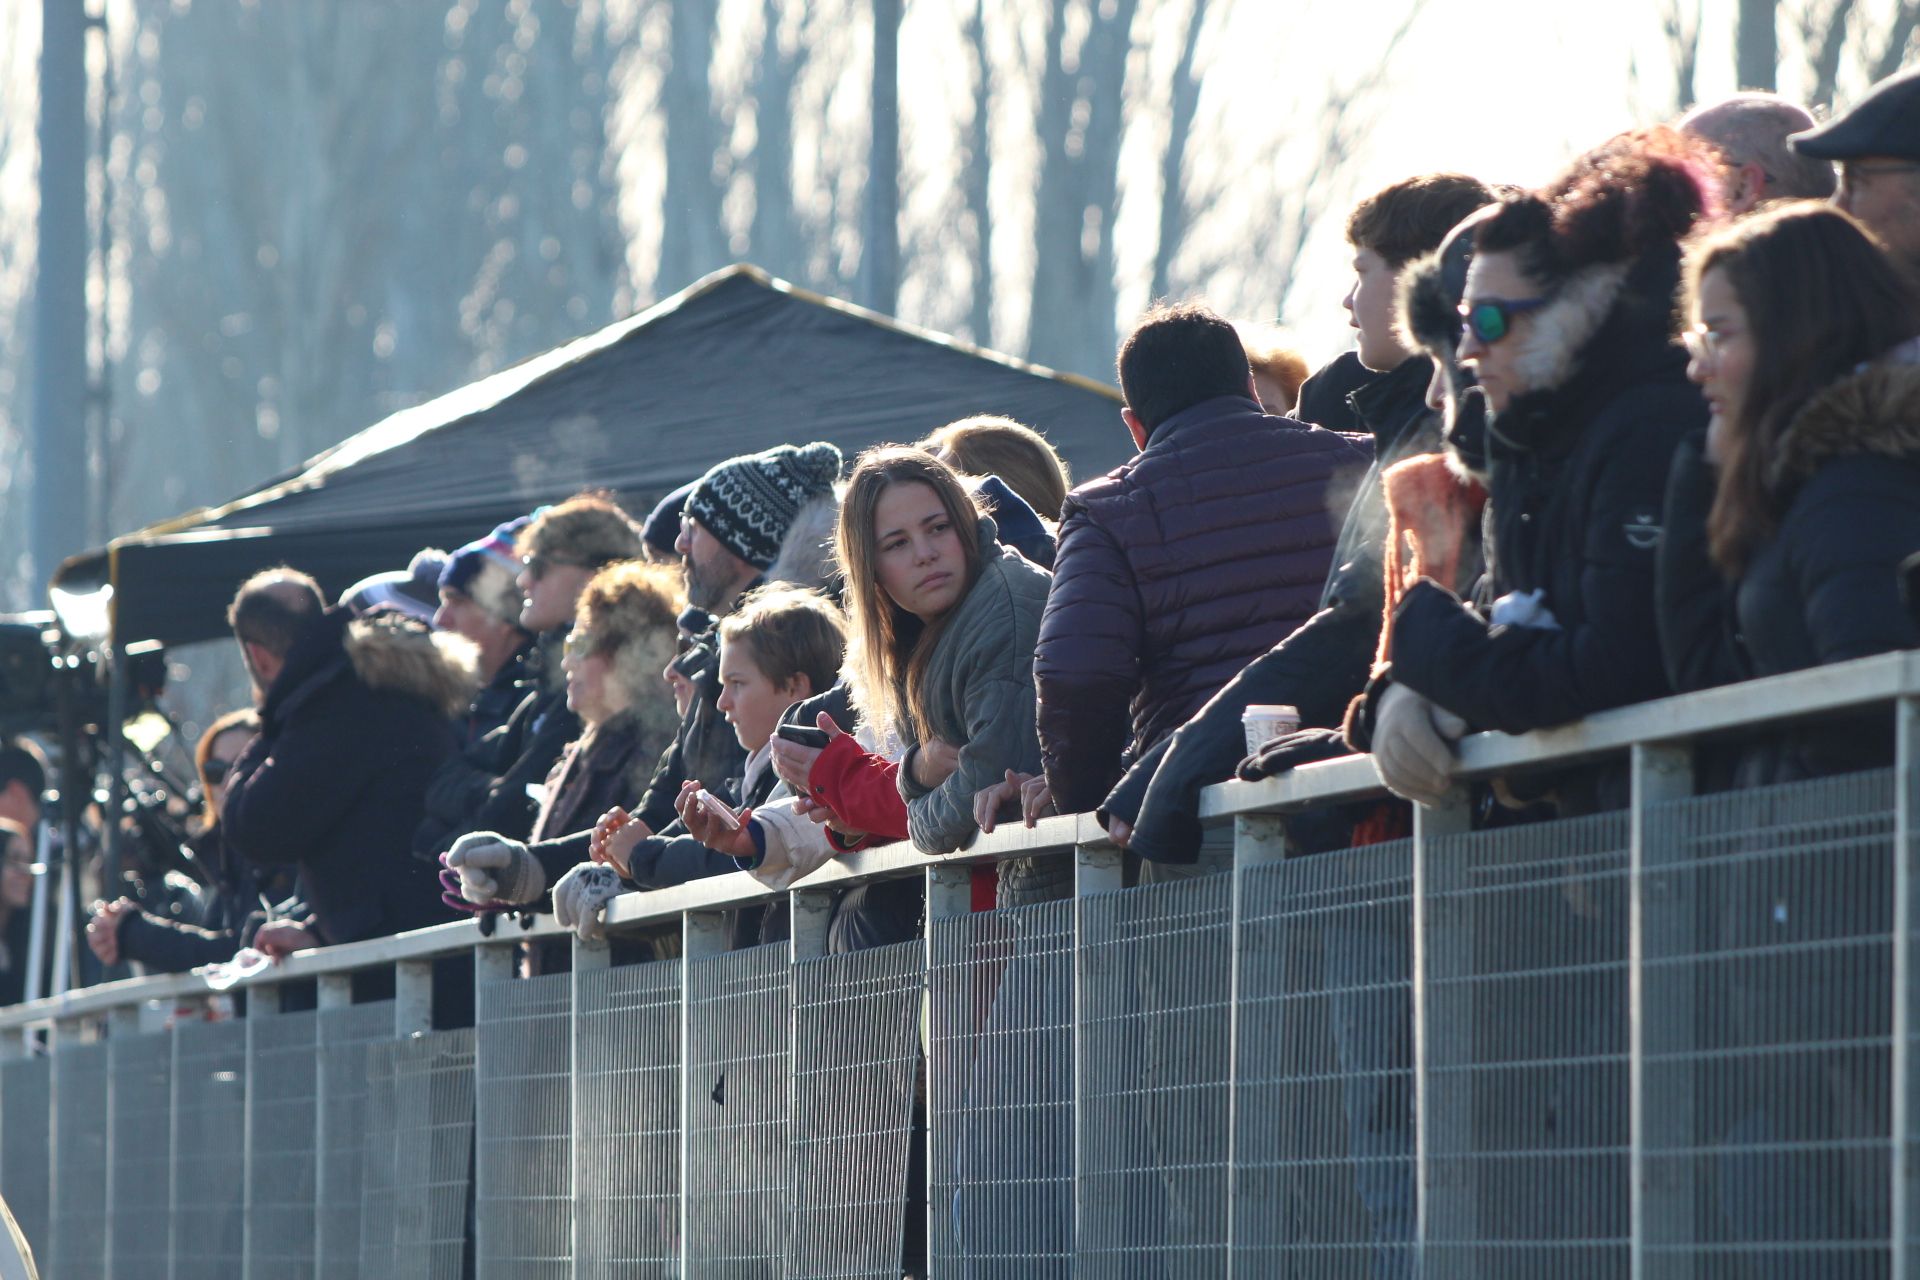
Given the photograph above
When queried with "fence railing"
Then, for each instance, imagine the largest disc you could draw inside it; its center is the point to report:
(1670, 1040)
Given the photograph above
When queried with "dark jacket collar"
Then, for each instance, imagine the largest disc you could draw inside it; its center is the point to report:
(1394, 403)
(317, 656)
(1176, 432)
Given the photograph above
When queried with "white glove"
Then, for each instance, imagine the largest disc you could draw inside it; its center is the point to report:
(493, 868)
(1413, 745)
(580, 897)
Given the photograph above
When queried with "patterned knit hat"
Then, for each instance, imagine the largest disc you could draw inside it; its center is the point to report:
(485, 570)
(749, 502)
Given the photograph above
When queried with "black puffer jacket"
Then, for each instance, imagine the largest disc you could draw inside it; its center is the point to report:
(500, 697)
(1825, 587)
(355, 725)
(1578, 476)
(1319, 668)
(1173, 572)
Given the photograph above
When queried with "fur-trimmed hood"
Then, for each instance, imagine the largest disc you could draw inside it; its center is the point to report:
(398, 655)
(1547, 349)
(1874, 412)
(806, 552)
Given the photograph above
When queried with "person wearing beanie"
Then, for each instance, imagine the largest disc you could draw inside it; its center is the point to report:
(661, 531)
(495, 784)
(758, 518)
(480, 599)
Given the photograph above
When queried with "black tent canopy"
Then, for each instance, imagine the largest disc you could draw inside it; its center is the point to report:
(734, 364)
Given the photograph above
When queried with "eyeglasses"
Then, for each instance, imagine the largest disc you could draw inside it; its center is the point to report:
(1704, 344)
(216, 770)
(1491, 319)
(537, 565)
(578, 644)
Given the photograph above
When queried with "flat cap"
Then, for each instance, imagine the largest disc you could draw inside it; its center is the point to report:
(1884, 123)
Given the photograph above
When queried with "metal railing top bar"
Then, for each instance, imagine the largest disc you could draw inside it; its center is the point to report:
(1759, 702)
(1750, 704)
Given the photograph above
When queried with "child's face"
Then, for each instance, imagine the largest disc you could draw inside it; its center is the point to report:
(751, 702)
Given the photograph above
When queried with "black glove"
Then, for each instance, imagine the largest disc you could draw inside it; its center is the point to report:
(1290, 750)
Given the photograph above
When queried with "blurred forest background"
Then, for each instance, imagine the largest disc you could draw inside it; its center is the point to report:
(318, 213)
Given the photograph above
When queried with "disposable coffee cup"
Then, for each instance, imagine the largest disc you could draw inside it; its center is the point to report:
(1266, 721)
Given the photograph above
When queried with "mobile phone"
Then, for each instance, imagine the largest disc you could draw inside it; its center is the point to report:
(803, 736)
(718, 808)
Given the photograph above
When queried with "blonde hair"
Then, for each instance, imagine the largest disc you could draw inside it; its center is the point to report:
(987, 445)
(887, 647)
(630, 613)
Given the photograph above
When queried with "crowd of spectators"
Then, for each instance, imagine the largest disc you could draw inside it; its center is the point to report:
(1649, 427)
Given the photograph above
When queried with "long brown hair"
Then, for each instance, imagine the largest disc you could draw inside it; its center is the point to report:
(247, 719)
(887, 647)
(1821, 298)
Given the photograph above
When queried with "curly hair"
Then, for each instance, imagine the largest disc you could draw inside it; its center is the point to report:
(589, 527)
(629, 612)
(1631, 194)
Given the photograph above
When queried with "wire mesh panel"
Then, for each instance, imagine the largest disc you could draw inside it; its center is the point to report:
(627, 1144)
(419, 1156)
(209, 1149)
(281, 1154)
(856, 1054)
(1768, 1024)
(344, 1131)
(1000, 1093)
(1323, 1143)
(79, 1161)
(26, 1110)
(737, 1089)
(139, 1153)
(1155, 984)
(1527, 1044)
(523, 1202)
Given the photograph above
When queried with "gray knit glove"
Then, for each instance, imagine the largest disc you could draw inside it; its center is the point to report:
(493, 868)
(580, 897)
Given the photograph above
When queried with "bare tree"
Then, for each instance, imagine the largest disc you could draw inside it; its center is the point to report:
(1757, 44)
(1681, 20)
(1184, 104)
(979, 176)
(691, 236)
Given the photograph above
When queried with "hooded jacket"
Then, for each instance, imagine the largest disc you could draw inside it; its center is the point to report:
(1173, 573)
(705, 748)
(1318, 668)
(1825, 587)
(359, 718)
(979, 697)
(1577, 474)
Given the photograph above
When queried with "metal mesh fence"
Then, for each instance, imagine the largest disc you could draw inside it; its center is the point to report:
(1323, 1140)
(1768, 1002)
(209, 1150)
(1527, 1050)
(1151, 1118)
(856, 1052)
(627, 1144)
(282, 1159)
(79, 1247)
(523, 1202)
(738, 1006)
(1000, 1094)
(419, 1156)
(344, 1132)
(26, 1107)
(139, 1153)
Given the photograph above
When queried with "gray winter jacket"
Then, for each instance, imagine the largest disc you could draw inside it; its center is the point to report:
(980, 698)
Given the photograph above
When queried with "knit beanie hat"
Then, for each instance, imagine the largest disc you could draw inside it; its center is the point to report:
(662, 527)
(485, 571)
(750, 502)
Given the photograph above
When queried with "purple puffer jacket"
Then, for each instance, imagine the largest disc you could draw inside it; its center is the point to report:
(1175, 571)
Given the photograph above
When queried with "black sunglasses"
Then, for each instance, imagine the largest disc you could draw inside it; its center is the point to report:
(1491, 319)
(537, 565)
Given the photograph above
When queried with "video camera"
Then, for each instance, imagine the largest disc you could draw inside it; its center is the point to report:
(38, 663)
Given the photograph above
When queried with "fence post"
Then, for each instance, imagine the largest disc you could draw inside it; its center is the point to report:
(1259, 839)
(949, 896)
(1660, 924)
(1905, 1217)
(1440, 941)
(335, 991)
(702, 934)
(493, 961)
(1098, 867)
(263, 1003)
(412, 998)
(586, 960)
